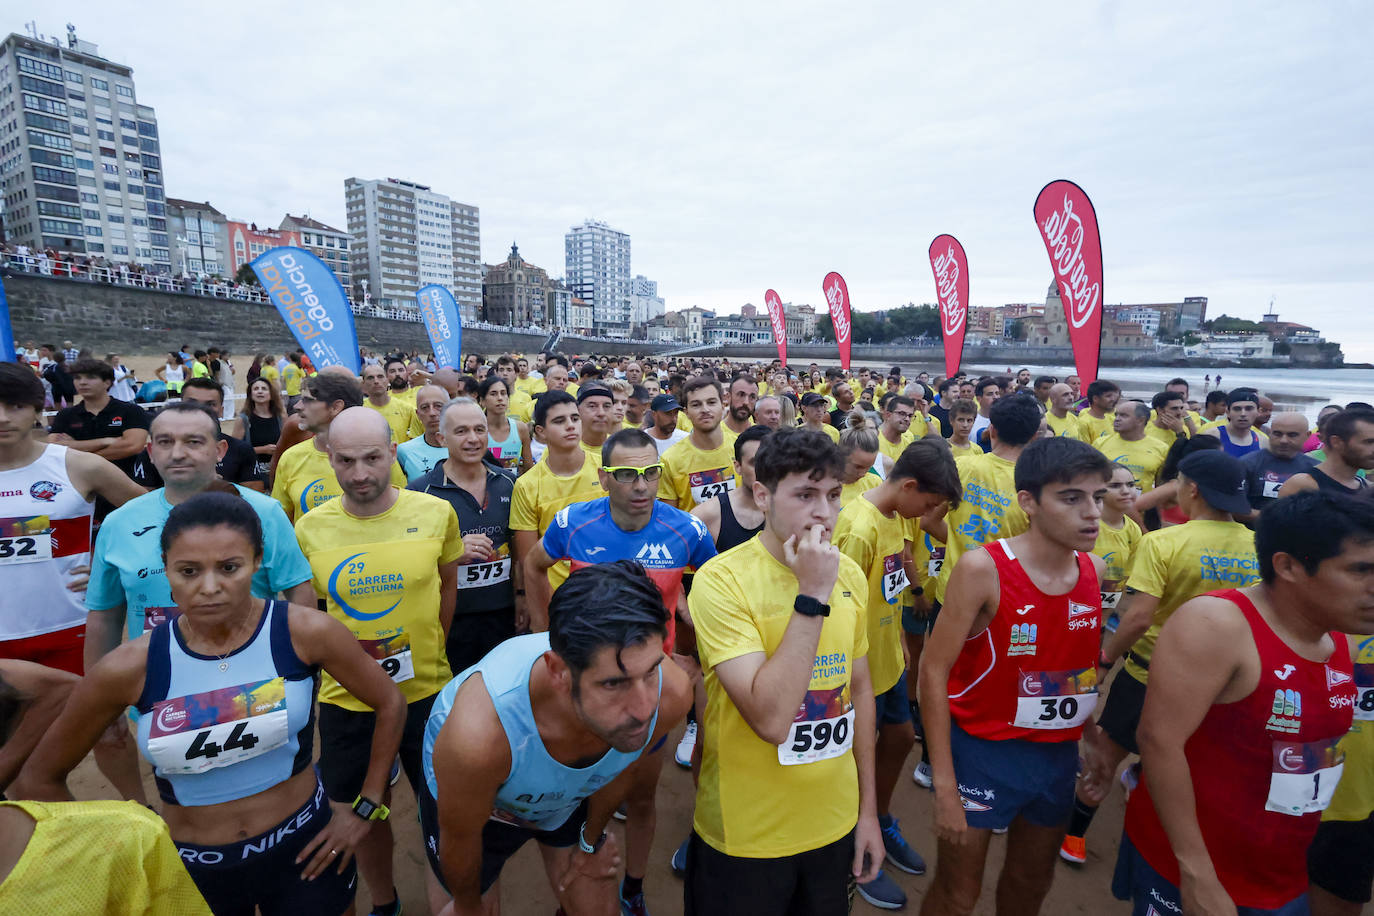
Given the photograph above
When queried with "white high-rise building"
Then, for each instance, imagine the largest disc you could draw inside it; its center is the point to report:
(597, 258)
(645, 302)
(81, 168)
(405, 236)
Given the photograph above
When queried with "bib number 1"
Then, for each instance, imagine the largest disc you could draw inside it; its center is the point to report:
(1304, 776)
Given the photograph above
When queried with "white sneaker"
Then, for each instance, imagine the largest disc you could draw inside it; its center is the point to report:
(923, 775)
(683, 755)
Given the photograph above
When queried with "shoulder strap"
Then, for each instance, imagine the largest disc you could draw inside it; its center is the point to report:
(157, 675)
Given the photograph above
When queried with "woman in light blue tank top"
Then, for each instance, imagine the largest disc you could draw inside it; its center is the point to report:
(225, 692)
(508, 438)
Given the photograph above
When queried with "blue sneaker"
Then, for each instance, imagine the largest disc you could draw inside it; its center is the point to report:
(899, 852)
(635, 906)
(679, 860)
(883, 893)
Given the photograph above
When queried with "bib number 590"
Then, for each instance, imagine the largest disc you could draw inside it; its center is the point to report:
(817, 736)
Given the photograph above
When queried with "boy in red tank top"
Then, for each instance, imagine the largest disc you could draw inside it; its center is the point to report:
(1008, 678)
(1250, 691)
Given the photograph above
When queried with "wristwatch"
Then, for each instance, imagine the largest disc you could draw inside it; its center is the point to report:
(369, 810)
(810, 607)
(590, 849)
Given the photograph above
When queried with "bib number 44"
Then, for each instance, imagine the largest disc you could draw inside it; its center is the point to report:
(202, 746)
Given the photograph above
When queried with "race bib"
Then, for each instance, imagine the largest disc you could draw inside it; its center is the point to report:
(707, 485)
(1304, 776)
(895, 580)
(1110, 600)
(1271, 486)
(393, 654)
(936, 562)
(1055, 699)
(220, 728)
(1364, 691)
(478, 575)
(26, 548)
(823, 728)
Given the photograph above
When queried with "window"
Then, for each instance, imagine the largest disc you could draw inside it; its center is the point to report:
(119, 249)
(109, 167)
(153, 193)
(48, 140)
(95, 247)
(116, 217)
(55, 176)
(152, 162)
(52, 192)
(155, 223)
(148, 146)
(78, 113)
(68, 211)
(74, 77)
(86, 181)
(127, 124)
(128, 140)
(134, 173)
(138, 221)
(158, 238)
(126, 91)
(112, 186)
(107, 135)
(155, 209)
(136, 189)
(85, 164)
(193, 238)
(43, 87)
(47, 123)
(48, 157)
(40, 68)
(99, 84)
(76, 96)
(93, 230)
(45, 104)
(89, 199)
(147, 129)
(78, 129)
(90, 214)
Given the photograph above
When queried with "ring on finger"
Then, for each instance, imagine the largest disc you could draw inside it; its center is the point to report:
(333, 852)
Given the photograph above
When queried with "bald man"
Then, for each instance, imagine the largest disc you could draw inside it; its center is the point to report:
(448, 379)
(385, 560)
(418, 456)
(1267, 471)
(1060, 420)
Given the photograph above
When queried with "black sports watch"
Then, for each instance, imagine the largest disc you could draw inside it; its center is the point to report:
(810, 607)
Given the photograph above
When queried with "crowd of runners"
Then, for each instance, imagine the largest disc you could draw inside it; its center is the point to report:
(512, 582)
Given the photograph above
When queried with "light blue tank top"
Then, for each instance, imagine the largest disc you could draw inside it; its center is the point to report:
(219, 729)
(540, 792)
(506, 451)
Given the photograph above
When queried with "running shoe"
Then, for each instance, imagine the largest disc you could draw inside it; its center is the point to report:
(635, 906)
(683, 755)
(1130, 778)
(619, 813)
(679, 859)
(883, 893)
(899, 852)
(395, 775)
(1074, 850)
(999, 831)
(923, 775)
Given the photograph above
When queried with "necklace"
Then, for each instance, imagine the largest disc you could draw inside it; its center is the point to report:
(223, 659)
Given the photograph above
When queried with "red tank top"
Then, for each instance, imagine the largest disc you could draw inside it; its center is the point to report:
(1263, 769)
(1032, 674)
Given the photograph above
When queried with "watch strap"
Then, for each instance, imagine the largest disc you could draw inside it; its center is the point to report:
(810, 607)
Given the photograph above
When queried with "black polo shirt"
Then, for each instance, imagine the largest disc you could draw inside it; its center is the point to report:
(493, 520)
(112, 421)
(239, 465)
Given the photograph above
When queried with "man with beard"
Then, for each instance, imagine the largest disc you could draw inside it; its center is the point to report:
(701, 466)
(843, 393)
(744, 395)
(1349, 450)
(400, 415)
(398, 378)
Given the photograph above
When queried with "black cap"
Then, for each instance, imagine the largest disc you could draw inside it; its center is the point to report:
(664, 403)
(1219, 478)
(593, 391)
(812, 397)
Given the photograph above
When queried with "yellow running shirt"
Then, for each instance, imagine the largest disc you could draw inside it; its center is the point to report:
(400, 416)
(291, 378)
(829, 430)
(593, 452)
(692, 476)
(540, 493)
(758, 800)
(1354, 798)
(894, 450)
(850, 491)
(1067, 427)
(379, 577)
(960, 451)
(988, 510)
(1090, 427)
(1181, 562)
(98, 857)
(1116, 547)
(305, 480)
(532, 387)
(875, 542)
(1167, 437)
(1144, 457)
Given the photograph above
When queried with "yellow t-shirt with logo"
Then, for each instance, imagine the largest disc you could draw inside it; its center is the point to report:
(927, 555)
(400, 416)
(305, 480)
(1166, 436)
(521, 406)
(1090, 427)
(987, 512)
(272, 375)
(1354, 798)
(1143, 456)
(894, 450)
(875, 542)
(692, 476)
(850, 491)
(540, 493)
(1068, 426)
(1181, 562)
(379, 577)
(748, 803)
(961, 451)
(1116, 547)
(291, 378)
(532, 387)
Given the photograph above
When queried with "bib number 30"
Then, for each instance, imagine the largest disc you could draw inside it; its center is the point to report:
(817, 739)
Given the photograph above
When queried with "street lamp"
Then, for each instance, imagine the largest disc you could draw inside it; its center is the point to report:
(363, 281)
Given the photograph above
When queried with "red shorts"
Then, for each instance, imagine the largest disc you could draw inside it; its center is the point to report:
(62, 649)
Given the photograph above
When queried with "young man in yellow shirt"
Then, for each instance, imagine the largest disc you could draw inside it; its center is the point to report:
(785, 808)
(1099, 415)
(400, 416)
(872, 531)
(701, 466)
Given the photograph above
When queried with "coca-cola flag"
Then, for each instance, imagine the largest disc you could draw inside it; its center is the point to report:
(1068, 226)
(950, 266)
(779, 322)
(837, 296)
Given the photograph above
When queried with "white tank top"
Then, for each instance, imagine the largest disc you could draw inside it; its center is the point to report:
(45, 531)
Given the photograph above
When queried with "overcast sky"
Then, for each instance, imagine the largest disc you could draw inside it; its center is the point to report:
(1227, 147)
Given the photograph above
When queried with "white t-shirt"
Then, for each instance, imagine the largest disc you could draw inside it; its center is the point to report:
(663, 445)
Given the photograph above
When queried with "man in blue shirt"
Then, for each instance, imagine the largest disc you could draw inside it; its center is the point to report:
(629, 523)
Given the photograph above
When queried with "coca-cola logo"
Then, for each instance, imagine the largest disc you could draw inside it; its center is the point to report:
(775, 316)
(839, 309)
(947, 289)
(1063, 233)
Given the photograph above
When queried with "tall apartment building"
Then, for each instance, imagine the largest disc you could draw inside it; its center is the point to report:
(328, 244)
(597, 259)
(200, 239)
(645, 302)
(80, 167)
(405, 236)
